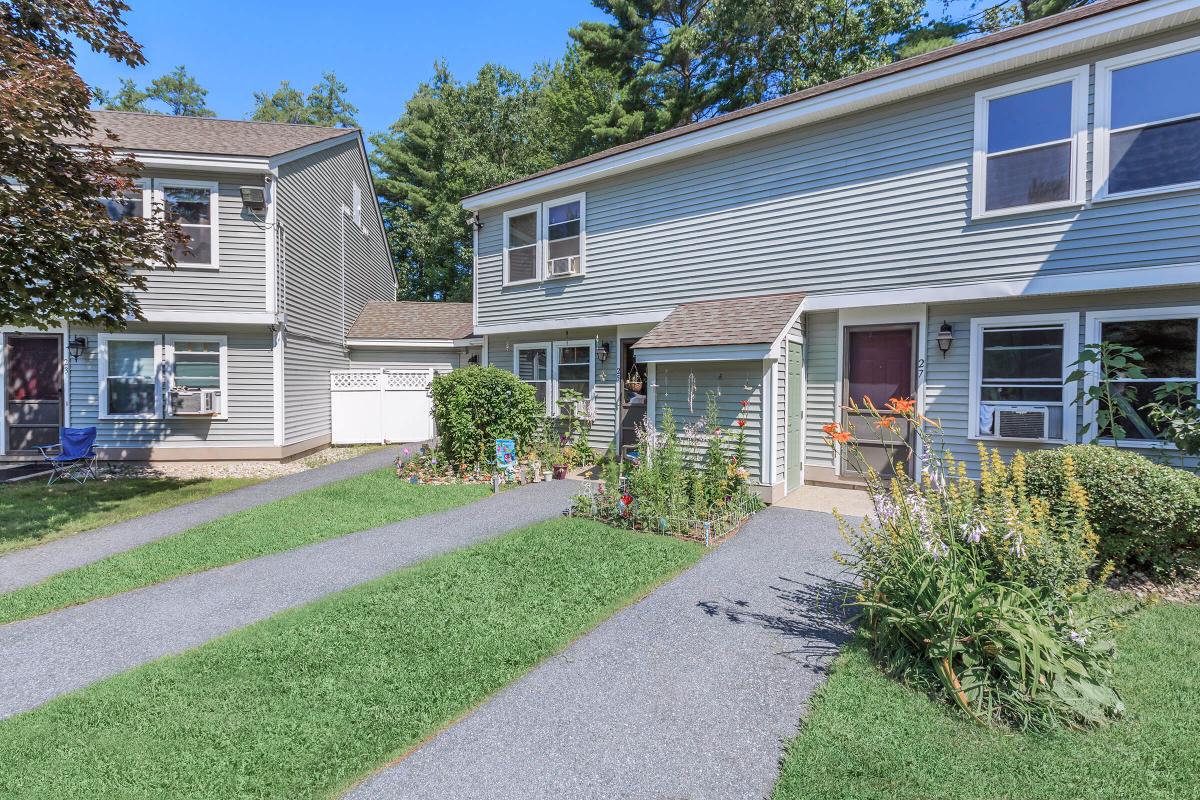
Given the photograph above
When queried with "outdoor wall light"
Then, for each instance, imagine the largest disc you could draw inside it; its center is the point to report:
(254, 198)
(945, 338)
(77, 347)
(602, 353)
(475, 222)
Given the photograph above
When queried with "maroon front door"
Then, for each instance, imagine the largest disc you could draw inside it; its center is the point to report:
(880, 364)
(33, 390)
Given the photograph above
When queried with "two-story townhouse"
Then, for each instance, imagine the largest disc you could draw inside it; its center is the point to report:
(951, 228)
(286, 248)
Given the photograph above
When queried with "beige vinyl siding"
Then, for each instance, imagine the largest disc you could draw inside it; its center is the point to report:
(947, 383)
(876, 199)
(606, 389)
(729, 382)
(312, 191)
(249, 396)
(240, 281)
(820, 398)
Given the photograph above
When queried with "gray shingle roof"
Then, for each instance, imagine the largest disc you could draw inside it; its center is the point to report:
(411, 320)
(229, 137)
(731, 321)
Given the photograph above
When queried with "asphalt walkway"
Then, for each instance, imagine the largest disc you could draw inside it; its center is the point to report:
(690, 693)
(47, 656)
(35, 564)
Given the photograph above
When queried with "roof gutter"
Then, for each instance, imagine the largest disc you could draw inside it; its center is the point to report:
(1068, 38)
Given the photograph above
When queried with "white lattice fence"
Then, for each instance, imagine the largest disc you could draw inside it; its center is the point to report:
(381, 405)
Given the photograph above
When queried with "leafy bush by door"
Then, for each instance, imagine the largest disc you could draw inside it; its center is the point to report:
(474, 407)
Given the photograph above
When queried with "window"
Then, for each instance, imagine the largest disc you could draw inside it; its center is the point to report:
(552, 367)
(564, 240)
(521, 245)
(198, 362)
(131, 203)
(531, 363)
(1018, 371)
(1167, 341)
(193, 204)
(1029, 144)
(544, 241)
(130, 379)
(1148, 120)
(573, 369)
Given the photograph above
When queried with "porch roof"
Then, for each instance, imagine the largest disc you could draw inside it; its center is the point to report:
(417, 321)
(760, 319)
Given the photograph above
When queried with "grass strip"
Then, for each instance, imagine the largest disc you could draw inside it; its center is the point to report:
(33, 513)
(355, 504)
(870, 738)
(306, 703)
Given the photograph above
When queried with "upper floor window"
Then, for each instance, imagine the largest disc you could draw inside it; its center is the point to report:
(1148, 120)
(130, 203)
(192, 204)
(1029, 144)
(544, 241)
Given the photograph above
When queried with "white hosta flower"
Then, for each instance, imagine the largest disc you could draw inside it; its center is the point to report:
(1080, 638)
(935, 547)
(973, 532)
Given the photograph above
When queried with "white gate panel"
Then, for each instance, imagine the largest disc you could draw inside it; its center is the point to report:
(407, 407)
(381, 405)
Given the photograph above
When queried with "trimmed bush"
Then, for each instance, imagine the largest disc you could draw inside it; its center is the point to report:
(475, 406)
(1147, 515)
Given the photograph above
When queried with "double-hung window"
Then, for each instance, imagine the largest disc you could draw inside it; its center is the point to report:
(1018, 377)
(1166, 338)
(1148, 120)
(197, 362)
(133, 202)
(1030, 140)
(552, 368)
(545, 241)
(194, 206)
(130, 375)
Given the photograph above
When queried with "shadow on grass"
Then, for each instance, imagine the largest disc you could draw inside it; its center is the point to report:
(815, 612)
(32, 511)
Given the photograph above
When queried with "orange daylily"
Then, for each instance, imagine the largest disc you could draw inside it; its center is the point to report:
(886, 422)
(901, 405)
(836, 433)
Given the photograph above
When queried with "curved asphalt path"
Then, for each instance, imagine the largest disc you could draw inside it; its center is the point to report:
(47, 656)
(35, 564)
(690, 693)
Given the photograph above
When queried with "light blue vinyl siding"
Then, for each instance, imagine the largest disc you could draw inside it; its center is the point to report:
(947, 384)
(240, 281)
(607, 385)
(820, 398)
(249, 396)
(729, 382)
(877, 199)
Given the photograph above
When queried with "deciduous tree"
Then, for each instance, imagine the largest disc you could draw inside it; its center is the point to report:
(62, 254)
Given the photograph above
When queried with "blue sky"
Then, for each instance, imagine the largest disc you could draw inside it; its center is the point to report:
(381, 49)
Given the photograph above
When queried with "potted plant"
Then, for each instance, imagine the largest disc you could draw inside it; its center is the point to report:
(634, 382)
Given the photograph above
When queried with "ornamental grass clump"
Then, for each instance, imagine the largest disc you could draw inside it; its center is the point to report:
(975, 591)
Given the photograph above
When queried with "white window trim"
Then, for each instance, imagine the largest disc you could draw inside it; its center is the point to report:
(545, 234)
(169, 367)
(537, 252)
(214, 189)
(102, 355)
(1103, 121)
(548, 349)
(1078, 78)
(590, 344)
(1092, 322)
(1070, 325)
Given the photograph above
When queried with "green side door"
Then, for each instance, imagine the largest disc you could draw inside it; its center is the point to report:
(795, 415)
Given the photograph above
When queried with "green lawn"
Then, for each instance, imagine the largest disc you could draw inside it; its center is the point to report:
(356, 504)
(33, 512)
(868, 737)
(306, 703)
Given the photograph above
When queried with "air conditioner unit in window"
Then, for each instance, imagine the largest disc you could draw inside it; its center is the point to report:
(195, 402)
(1022, 422)
(563, 267)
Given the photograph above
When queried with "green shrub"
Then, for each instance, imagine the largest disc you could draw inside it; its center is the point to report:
(974, 592)
(1146, 515)
(475, 406)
